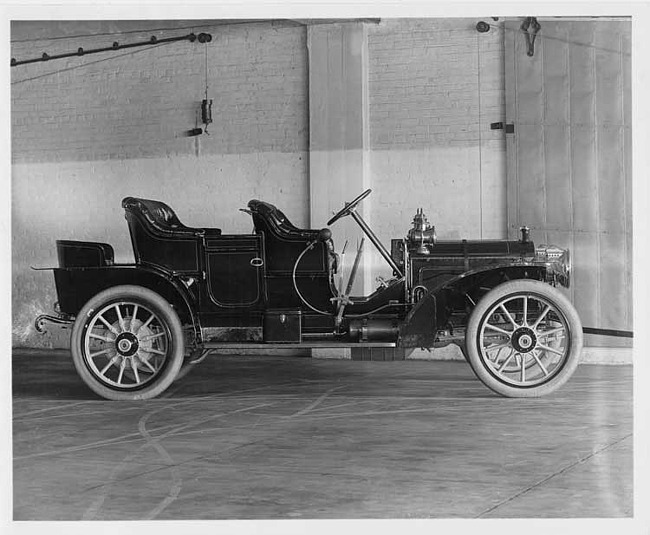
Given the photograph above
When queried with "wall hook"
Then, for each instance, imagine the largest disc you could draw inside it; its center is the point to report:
(530, 27)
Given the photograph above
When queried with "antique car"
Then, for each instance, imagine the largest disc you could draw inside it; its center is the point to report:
(137, 327)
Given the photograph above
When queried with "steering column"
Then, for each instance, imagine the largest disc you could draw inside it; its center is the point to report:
(349, 209)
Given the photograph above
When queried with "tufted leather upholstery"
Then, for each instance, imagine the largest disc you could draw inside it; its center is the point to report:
(158, 237)
(160, 218)
(267, 217)
(284, 242)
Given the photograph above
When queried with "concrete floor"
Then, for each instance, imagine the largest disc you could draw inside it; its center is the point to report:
(284, 438)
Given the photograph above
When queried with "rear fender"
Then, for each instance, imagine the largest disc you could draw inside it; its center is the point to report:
(75, 286)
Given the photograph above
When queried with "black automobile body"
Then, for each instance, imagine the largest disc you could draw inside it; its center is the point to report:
(135, 327)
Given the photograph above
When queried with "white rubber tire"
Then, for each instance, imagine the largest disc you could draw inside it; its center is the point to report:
(478, 318)
(167, 316)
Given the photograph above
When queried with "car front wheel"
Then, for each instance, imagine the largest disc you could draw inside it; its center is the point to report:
(524, 339)
(127, 343)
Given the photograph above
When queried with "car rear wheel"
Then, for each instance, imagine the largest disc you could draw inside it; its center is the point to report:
(127, 343)
(524, 339)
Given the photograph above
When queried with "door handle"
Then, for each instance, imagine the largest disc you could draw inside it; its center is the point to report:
(257, 262)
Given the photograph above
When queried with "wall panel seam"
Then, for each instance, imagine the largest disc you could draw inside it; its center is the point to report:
(567, 48)
(542, 60)
(599, 316)
(624, 170)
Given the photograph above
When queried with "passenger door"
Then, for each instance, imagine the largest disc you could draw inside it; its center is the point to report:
(235, 271)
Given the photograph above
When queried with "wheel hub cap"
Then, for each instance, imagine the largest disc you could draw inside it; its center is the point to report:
(126, 344)
(524, 340)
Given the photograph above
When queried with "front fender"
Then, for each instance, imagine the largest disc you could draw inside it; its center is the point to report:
(420, 325)
(431, 313)
(75, 286)
(490, 276)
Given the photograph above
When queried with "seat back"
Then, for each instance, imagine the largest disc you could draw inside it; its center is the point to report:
(159, 238)
(266, 217)
(284, 241)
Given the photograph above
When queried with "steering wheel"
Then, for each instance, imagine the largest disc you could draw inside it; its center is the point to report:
(349, 207)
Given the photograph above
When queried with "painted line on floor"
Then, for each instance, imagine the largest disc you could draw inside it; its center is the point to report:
(39, 411)
(94, 508)
(377, 413)
(177, 480)
(119, 440)
(315, 403)
(554, 474)
(123, 439)
(110, 409)
(135, 437)
(214, 455)
(76, 415)
(279, 418)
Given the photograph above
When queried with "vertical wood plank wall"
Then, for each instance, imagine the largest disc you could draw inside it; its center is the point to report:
(569, 160)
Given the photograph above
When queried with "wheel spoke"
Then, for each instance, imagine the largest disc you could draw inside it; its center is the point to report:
(510, 319)
(498, 355)
(505, 362)
(108, 325)
(498, 346)
(99, 337)
(151, 337)
(539, 363)
(147, 363)
(549, 333)
(135, 313)
(110, 363)
(542, 316)
(525, 319)
(497, 329)
(120, 319)
(146, 323)
(550, 349)
(523, 368)
(122, 366)
(102, 352)
(135, 372)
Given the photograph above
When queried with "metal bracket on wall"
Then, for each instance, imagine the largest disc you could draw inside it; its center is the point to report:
(530, 27)
(202, 38)
(508, 127)
(608, 332)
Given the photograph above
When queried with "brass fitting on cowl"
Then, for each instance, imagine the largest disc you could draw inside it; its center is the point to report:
(422, 234)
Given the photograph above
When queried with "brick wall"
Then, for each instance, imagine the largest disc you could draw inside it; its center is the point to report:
(435, 85)
(140, 102)
(88, 131)
(426, 76)
(423, 83)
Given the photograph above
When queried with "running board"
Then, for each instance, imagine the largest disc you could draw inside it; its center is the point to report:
(294, 345)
